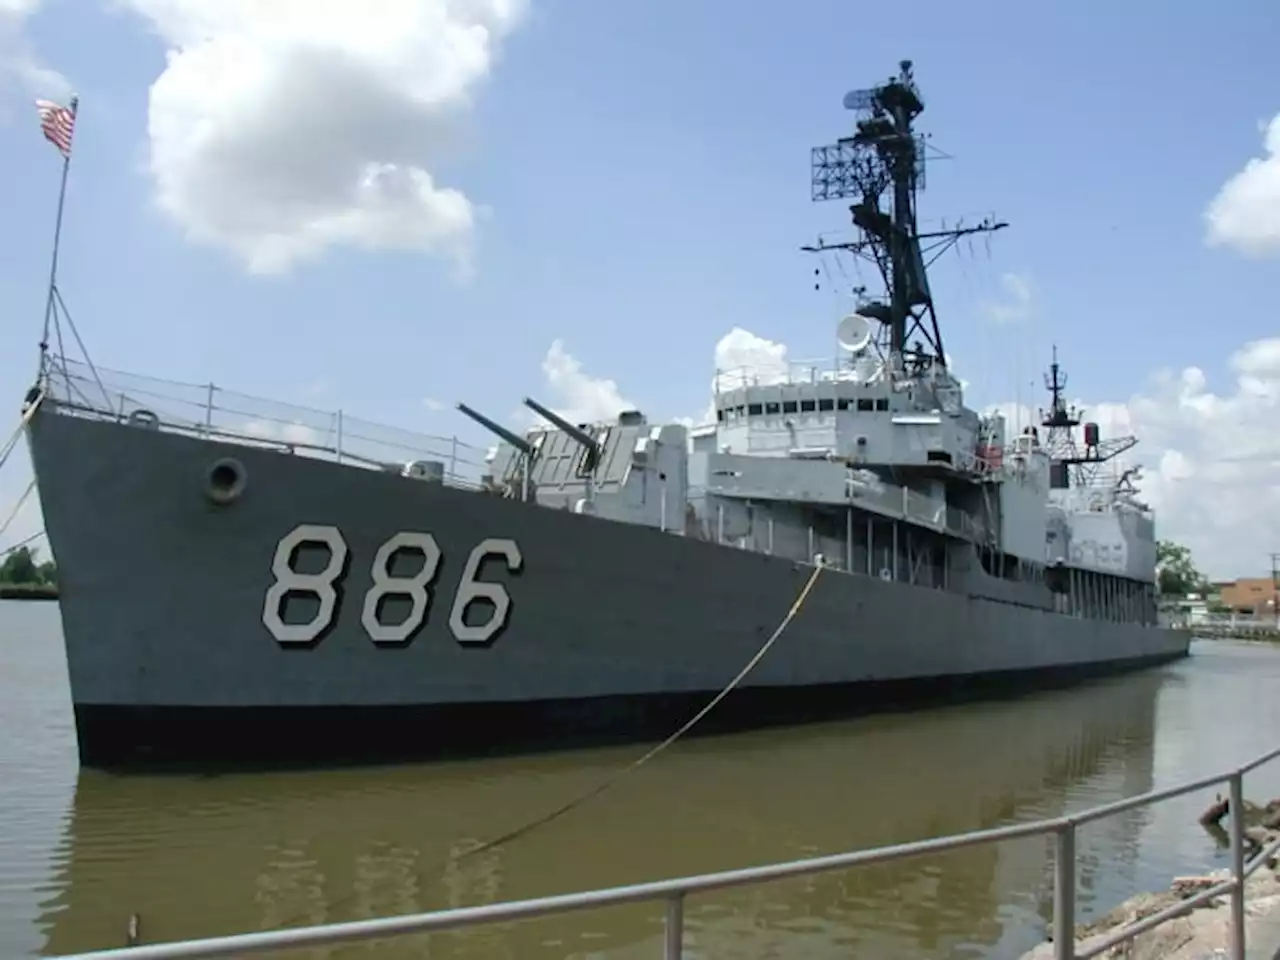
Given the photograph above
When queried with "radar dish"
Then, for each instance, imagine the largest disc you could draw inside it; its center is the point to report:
(854, 333)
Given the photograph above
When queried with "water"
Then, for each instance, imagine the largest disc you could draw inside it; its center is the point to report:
(197, 856)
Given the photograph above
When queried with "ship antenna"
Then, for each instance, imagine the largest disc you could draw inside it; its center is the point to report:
(885, 156)
(1072, 465)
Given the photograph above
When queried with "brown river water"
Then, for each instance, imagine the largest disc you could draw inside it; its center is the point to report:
(202, 855)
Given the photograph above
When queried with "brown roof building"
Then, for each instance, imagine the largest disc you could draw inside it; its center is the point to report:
(1251, 595)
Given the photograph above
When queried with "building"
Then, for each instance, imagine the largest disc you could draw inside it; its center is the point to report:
(1251, 596)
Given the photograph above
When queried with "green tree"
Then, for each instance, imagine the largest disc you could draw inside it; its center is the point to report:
(1176, 572)
(21, 566)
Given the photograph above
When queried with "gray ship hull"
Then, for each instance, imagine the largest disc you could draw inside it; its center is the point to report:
(612, 630)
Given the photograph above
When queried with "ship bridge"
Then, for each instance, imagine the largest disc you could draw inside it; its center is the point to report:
(854, 412)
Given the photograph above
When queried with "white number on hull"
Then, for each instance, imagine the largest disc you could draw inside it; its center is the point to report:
(417, 588)
(322, 585)
(326, 584)
(470, 590)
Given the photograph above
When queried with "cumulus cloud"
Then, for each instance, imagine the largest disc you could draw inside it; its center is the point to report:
(1210, 458)
(1014, 304)
(281, 129)
(285, 432)
(21, 71)
(1245, 214)
(576, 395)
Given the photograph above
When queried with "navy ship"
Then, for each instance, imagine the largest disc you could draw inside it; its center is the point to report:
(239, 586)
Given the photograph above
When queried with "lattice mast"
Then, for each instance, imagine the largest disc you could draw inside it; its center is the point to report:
(1074, 465)
(885, 160)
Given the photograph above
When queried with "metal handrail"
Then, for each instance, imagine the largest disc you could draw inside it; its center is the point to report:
(673, 892)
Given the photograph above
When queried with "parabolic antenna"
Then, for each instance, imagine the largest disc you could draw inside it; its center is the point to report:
(853, 333)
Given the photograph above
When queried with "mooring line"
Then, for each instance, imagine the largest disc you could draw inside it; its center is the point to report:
(27, 414)
(654, 751)
(618, 775)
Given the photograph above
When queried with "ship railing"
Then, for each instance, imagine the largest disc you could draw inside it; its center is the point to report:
(782, 372)
(674, 894)
(216, 413)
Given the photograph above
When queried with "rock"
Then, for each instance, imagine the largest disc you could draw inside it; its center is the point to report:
(1194, 934)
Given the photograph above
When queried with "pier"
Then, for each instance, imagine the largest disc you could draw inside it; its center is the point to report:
(1233, 930)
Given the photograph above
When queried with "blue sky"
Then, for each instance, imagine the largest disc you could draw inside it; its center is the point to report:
(645, 172)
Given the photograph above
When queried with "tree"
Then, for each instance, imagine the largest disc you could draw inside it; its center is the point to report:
(1176, 573)
(20, 566)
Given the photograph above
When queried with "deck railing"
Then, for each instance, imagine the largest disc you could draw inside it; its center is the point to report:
(208, 410)
(672, 893)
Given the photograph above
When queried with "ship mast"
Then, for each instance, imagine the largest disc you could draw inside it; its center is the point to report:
(1060, 422)
(886, 157)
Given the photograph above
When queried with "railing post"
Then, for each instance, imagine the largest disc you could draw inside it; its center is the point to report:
(339, 431)
(208, 407)
(1236, 928)
(453, 457)
(674, 939)
(1064, 893)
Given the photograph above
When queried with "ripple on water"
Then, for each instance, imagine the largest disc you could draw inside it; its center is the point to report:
(207, 855)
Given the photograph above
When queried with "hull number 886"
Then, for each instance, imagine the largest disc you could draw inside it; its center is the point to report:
(418, 588)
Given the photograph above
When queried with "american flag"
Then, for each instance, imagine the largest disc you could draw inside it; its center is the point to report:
(58, 123)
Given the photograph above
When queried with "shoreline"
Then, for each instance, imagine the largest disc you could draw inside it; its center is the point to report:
(28, 591)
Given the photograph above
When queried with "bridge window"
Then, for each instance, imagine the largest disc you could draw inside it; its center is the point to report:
(720, 416)
(825, 405)
(807, 406)
(788, 406)
(771, 408)
(882, 403)
(754, 409)
(842, 403)
(865, 403)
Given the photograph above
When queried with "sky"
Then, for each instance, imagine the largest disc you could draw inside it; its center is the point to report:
(392, 206)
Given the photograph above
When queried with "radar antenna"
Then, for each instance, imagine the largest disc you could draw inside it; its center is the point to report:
(886, 156)
(1073, 466)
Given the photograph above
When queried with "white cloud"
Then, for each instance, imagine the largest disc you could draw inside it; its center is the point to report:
(286, 432)
(575, 395)
(1245, 215)
(1015, 300)
(20, 68)
(280, 129)
(1211, 461)
(432, 404)
(743, 357)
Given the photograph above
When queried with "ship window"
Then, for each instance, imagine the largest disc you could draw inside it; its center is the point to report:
(741, 411)
(789, 406)
(808, 406)
(754, 409)
(720, 416)
(771, 408)
(882, 403)
(864, 403)
(841, 404)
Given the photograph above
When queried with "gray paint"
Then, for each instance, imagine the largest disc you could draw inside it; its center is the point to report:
(162, 593)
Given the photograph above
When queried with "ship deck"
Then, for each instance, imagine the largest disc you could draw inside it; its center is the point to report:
(212, 412)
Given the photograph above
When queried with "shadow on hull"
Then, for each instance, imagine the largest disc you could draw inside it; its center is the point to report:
(188, 739)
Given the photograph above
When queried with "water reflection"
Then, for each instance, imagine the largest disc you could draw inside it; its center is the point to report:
(202, 856)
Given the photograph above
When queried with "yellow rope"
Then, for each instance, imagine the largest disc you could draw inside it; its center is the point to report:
(650, 754)
(653, 752)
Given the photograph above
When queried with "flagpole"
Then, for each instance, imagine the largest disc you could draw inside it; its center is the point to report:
(57, 241)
